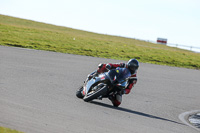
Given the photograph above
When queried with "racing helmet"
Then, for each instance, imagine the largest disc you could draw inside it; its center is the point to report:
(133, 65)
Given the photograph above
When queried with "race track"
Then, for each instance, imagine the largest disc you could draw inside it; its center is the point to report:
(37, 95)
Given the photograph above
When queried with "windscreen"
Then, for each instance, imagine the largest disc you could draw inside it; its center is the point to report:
(119, 74)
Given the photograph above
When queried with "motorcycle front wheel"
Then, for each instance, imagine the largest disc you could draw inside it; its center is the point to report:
(79, 92)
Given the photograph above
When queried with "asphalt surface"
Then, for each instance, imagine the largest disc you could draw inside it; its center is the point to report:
(37, 95)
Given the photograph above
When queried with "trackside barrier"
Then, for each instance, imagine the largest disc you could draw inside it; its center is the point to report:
(191, 48)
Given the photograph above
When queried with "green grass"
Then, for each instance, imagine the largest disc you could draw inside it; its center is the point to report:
(7, 130)
(29, 34)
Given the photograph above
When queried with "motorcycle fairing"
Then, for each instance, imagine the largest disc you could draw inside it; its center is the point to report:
(118, 74)
(92, 82)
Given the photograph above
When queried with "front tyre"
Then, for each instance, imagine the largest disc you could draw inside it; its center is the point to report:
(95, 94)
(79, 92)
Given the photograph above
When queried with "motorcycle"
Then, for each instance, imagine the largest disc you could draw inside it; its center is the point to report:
(104, 85)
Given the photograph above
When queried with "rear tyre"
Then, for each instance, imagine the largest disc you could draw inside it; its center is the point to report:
(79, 92)
(89, 97)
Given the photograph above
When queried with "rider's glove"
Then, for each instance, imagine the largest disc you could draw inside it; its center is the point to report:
(100, 65)
(108, 66)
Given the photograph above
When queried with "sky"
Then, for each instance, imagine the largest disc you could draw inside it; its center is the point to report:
(176, 20)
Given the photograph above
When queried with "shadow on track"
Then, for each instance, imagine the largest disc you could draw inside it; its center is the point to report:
(134, 112)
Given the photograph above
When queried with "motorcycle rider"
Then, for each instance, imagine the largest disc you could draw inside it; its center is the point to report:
(132, 65)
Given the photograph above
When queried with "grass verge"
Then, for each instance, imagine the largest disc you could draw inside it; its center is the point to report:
(29, 34)
(7, 130)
